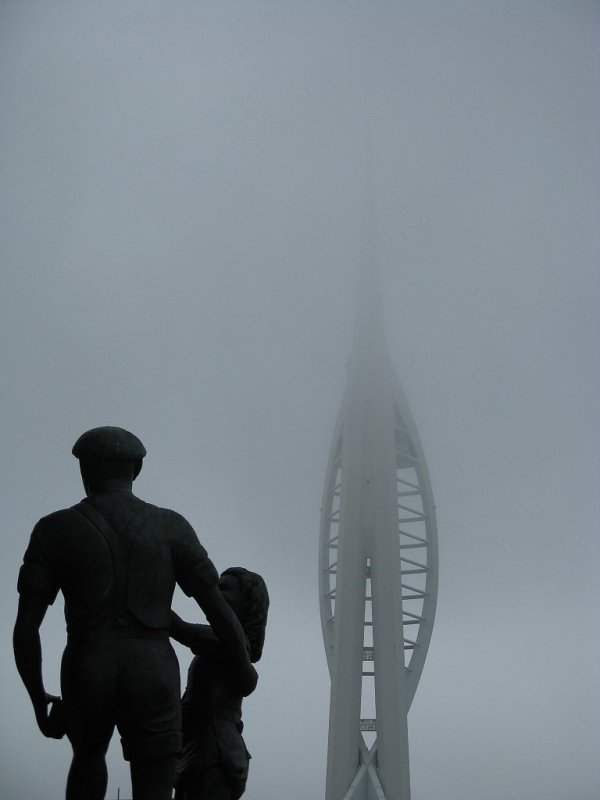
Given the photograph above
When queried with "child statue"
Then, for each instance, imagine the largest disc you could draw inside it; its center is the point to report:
(214, 762)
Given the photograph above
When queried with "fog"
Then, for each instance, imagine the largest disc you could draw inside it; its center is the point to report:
(183, 196)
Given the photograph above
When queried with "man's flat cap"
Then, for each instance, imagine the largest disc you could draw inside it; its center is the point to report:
(108, 444)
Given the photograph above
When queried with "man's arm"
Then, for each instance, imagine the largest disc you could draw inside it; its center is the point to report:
(190, 633)
(230, 633)
(28, 656)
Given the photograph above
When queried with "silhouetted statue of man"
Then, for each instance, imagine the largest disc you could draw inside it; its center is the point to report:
(116, 560)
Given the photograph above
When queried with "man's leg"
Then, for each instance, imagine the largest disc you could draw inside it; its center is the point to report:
(152, 779)
(149, 718)
(88, 776)
(87, 679)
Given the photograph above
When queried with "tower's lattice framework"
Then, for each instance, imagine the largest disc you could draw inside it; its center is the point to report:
(378, 572)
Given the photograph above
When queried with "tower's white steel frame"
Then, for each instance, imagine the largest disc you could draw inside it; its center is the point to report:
(378, 571)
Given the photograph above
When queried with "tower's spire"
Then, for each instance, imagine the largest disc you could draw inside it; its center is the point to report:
(369, 334)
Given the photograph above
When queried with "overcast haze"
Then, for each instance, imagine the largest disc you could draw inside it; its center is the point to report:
(182, 191)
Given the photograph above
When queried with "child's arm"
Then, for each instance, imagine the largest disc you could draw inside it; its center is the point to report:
(199, 638)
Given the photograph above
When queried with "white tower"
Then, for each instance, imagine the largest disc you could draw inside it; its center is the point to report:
(378, 570)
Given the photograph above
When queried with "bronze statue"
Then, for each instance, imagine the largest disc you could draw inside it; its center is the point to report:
(116, 560)
(214, 761)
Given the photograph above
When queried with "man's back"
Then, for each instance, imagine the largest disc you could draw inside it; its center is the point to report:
(117, 560)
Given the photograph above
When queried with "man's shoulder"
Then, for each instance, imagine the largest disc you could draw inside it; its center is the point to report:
(166, 520)
(55, 519)
(51, 533)
(172, 520)
(133, 503)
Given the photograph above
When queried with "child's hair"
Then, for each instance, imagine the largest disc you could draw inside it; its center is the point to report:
(255, 599)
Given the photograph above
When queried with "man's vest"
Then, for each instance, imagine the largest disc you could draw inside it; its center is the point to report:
(117, 560)
(138, 576)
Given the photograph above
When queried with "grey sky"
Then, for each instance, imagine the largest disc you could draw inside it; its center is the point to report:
(182, 191)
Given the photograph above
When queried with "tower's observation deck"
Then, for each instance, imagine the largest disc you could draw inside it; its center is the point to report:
(378, 571)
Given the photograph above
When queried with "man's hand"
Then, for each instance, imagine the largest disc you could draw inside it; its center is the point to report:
(230, 633)
(51, 723)
(28, 656)
(185, 633)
